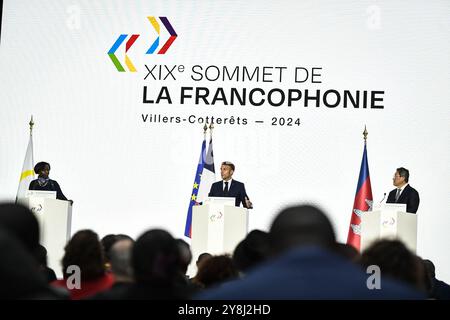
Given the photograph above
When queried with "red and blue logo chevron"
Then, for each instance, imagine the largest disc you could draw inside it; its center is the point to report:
(132, 39)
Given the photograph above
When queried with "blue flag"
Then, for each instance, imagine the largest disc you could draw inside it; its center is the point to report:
(208, 175)
(195, 188)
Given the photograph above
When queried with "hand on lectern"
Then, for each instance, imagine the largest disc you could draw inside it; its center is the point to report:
(248, 203)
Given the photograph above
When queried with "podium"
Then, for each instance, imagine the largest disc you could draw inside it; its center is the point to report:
(55, 218)
(217, 227)
(389, 221)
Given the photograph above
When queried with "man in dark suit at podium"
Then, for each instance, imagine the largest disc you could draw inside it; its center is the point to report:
(229, 187)
(404, 193)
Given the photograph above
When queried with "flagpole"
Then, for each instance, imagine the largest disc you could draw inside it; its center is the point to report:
(363, 199)
(31, 123)
(30, 144)
(197, 181)
(365, 134)
(211, 127)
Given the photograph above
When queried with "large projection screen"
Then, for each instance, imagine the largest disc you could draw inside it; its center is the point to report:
(120, 90)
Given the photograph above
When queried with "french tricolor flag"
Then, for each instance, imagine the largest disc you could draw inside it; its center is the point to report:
(204, 178)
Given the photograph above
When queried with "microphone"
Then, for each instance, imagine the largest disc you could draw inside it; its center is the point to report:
(384, 196)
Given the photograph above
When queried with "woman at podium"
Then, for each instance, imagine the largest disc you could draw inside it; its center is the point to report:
(43, 182)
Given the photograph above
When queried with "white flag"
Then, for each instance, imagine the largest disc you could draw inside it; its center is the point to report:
(27, 174)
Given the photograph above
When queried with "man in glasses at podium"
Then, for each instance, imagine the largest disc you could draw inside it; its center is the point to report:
(404, 193)
(229, 187)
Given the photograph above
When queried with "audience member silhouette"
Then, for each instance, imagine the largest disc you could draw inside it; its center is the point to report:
(21, 222)
(185, 260)
(216, 270)
(437, 289)
(185, 255)
(251, 251)
(41, 256)
(84, 251)
(347, 251)
(20, 269)
(298, 259)
(395, 261)
(304, 266)
(107, 242)
(19, 277)
(120, 255)
(156, 266)
(121, 269)
(202, 257)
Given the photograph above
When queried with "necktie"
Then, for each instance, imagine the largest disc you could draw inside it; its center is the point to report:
(397, 195)
(226, 187)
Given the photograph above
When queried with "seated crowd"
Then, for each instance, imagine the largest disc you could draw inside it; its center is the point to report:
(299, 258)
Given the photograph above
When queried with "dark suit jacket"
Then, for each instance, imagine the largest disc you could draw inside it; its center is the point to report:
(236, 190)
(52, 185)
(410, 196)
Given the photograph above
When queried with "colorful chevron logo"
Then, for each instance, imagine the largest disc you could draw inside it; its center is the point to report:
(128, 45)
(168, 26)
(153, 48)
